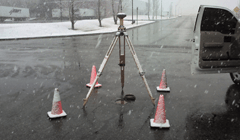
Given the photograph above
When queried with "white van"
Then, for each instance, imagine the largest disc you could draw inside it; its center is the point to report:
(216, 42)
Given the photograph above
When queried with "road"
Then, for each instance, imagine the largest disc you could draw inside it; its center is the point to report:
(198, 107)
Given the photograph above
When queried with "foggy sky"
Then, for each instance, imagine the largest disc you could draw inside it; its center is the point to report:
(190, 7)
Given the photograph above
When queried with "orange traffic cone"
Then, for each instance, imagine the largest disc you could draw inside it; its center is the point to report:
(160, 115)
(163, 83)
(56, 106)
(93, 76)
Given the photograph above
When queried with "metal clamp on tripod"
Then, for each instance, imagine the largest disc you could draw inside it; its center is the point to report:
(121, 32)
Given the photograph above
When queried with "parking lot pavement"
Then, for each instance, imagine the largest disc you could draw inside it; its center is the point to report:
(198, 106)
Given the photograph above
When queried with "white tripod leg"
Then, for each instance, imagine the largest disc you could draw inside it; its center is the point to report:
(141, 72)
(99, 73)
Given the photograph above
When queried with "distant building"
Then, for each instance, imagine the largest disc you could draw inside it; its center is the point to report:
(44, 8)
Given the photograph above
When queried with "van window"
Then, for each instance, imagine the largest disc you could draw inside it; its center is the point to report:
(218, 20)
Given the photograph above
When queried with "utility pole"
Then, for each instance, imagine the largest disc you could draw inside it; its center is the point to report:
(148, 9)
(176, 10)
(137, 15)
(132, 11)
(161, 9)
(61, 9)
(121, 6)
(73, 15)
(170, 10)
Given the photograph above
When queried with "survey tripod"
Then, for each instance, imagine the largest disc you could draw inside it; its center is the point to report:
(121, 33)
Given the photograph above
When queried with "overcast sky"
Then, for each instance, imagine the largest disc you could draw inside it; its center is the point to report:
(186, 7)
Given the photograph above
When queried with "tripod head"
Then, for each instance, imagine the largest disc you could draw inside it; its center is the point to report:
(121, 16)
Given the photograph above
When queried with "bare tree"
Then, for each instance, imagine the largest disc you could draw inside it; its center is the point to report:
(4, 2)
(153, 9)
(113, 12)
(99, 13)
(125, 4)
(113, 9)
(121, 6)
(148, 5)
(13, 3)
(72, 14)
(73, 8)
(156, 8)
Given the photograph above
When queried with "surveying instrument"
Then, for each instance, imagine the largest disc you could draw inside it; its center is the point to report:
(121, 33)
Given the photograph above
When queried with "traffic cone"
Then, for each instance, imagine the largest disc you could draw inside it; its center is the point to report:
(163, 84)
(56, 106)
(160, 115)
(93, 76)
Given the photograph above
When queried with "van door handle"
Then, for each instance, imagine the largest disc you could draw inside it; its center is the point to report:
(213, 45)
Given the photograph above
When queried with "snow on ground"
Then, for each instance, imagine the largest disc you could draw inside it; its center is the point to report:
(82, 27)
(144, 17)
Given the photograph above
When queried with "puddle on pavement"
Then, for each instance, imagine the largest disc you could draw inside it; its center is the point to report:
(127, 98)
(119, 101)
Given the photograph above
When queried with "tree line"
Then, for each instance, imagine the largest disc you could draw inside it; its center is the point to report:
(41, 6)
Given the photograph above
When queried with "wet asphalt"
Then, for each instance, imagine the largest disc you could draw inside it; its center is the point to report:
(198, 107)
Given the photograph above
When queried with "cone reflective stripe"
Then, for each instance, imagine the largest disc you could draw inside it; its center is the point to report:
(93, 76)
(160, 115)
(163, 83)
(56, 106)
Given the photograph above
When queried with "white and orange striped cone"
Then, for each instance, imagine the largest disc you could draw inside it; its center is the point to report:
(163, 83)
(160, 115)
(93, 76)
(56, 106)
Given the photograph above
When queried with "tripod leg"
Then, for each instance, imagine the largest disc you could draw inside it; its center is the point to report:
(122, 65)
(142, 74)
(99, 73)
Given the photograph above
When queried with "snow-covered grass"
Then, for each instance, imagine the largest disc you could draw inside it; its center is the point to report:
(82, 27)
(145, 17)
